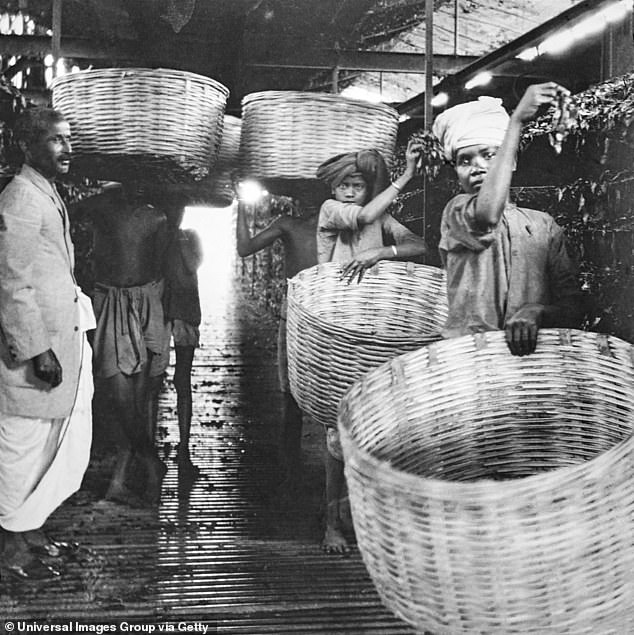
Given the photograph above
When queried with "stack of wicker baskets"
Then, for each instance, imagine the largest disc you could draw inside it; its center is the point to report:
(493, 493)
(142, 124)
(286, 135)
(338, 331)
(218, 188)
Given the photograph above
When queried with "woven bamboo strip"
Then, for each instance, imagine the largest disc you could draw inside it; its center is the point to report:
(493, 493)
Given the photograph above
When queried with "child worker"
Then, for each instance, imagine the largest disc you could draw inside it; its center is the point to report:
(355, 229)
(507, 267)
(297, 235)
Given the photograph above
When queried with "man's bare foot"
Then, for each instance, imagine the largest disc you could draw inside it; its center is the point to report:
(17, 561)
(334, 541)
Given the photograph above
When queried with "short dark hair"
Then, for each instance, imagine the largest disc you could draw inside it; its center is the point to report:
(32, 123)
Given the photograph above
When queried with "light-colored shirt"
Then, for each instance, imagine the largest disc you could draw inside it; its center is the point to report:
(491, 274)
(340, 237)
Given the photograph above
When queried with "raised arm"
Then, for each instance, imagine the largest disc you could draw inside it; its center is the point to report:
(377, 206)
(494, 192)
(247, 244)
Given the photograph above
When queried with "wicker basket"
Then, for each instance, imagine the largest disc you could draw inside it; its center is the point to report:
(337, 331)
(494, 494)
(142, 124)
(217, 189)
(288, 134)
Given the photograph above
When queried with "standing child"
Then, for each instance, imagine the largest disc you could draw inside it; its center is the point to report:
(355, 230)
(182, 310)
(297, 234)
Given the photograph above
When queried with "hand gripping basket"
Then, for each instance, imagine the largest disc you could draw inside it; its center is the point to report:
(288, 134)
(217, 189)
(338, 331)
(142, 124)
(494, 494)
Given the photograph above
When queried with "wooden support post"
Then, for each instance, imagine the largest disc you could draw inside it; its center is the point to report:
(429, 91)
(429, 61)
(335, 80)
(57, 33)
(455, 28)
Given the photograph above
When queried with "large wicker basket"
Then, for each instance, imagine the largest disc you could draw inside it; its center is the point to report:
(218, 188)
(142, 124)
(288, 134)
(494, 494)
(338, 331)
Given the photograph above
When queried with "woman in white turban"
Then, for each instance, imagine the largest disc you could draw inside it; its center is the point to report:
(507, 267)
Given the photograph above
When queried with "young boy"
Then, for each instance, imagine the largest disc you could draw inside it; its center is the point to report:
(355, 229)
(507, 267)
(182, 310)
(297, 234)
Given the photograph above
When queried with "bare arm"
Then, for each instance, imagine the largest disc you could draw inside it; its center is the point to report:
(495, 187)
(247, 244)
(567, 306)
(373, 210)
(408, 246)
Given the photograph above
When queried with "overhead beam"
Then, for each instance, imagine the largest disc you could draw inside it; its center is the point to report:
(79, 48)
(379, 61)
(123, 51)
(129, 50)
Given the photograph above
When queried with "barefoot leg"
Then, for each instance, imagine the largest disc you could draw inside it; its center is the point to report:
(334, 540)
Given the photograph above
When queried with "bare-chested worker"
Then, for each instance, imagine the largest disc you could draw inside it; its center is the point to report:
(131, 341)
(298, 236)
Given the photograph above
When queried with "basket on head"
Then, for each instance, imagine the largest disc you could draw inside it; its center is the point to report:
(288, 134)
(218, 188)
(338, 331)
(493, 493)
(142, 124)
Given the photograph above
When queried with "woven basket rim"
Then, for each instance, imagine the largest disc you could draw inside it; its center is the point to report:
(354, 335)
(141, 72)
(306, 96)
(492, 489)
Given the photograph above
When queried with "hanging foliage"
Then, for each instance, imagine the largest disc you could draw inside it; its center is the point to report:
(606, 109)
(431, 158)
(178, 13)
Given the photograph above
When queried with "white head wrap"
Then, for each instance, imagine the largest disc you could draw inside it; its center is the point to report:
(475, 122)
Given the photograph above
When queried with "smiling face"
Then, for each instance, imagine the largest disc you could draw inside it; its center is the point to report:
(50, 152)
(353, 189)
(472, 165)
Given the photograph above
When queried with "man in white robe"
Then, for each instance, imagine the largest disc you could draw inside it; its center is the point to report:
(45, 359)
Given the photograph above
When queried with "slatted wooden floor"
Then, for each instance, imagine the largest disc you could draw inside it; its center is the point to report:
(221, 552)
